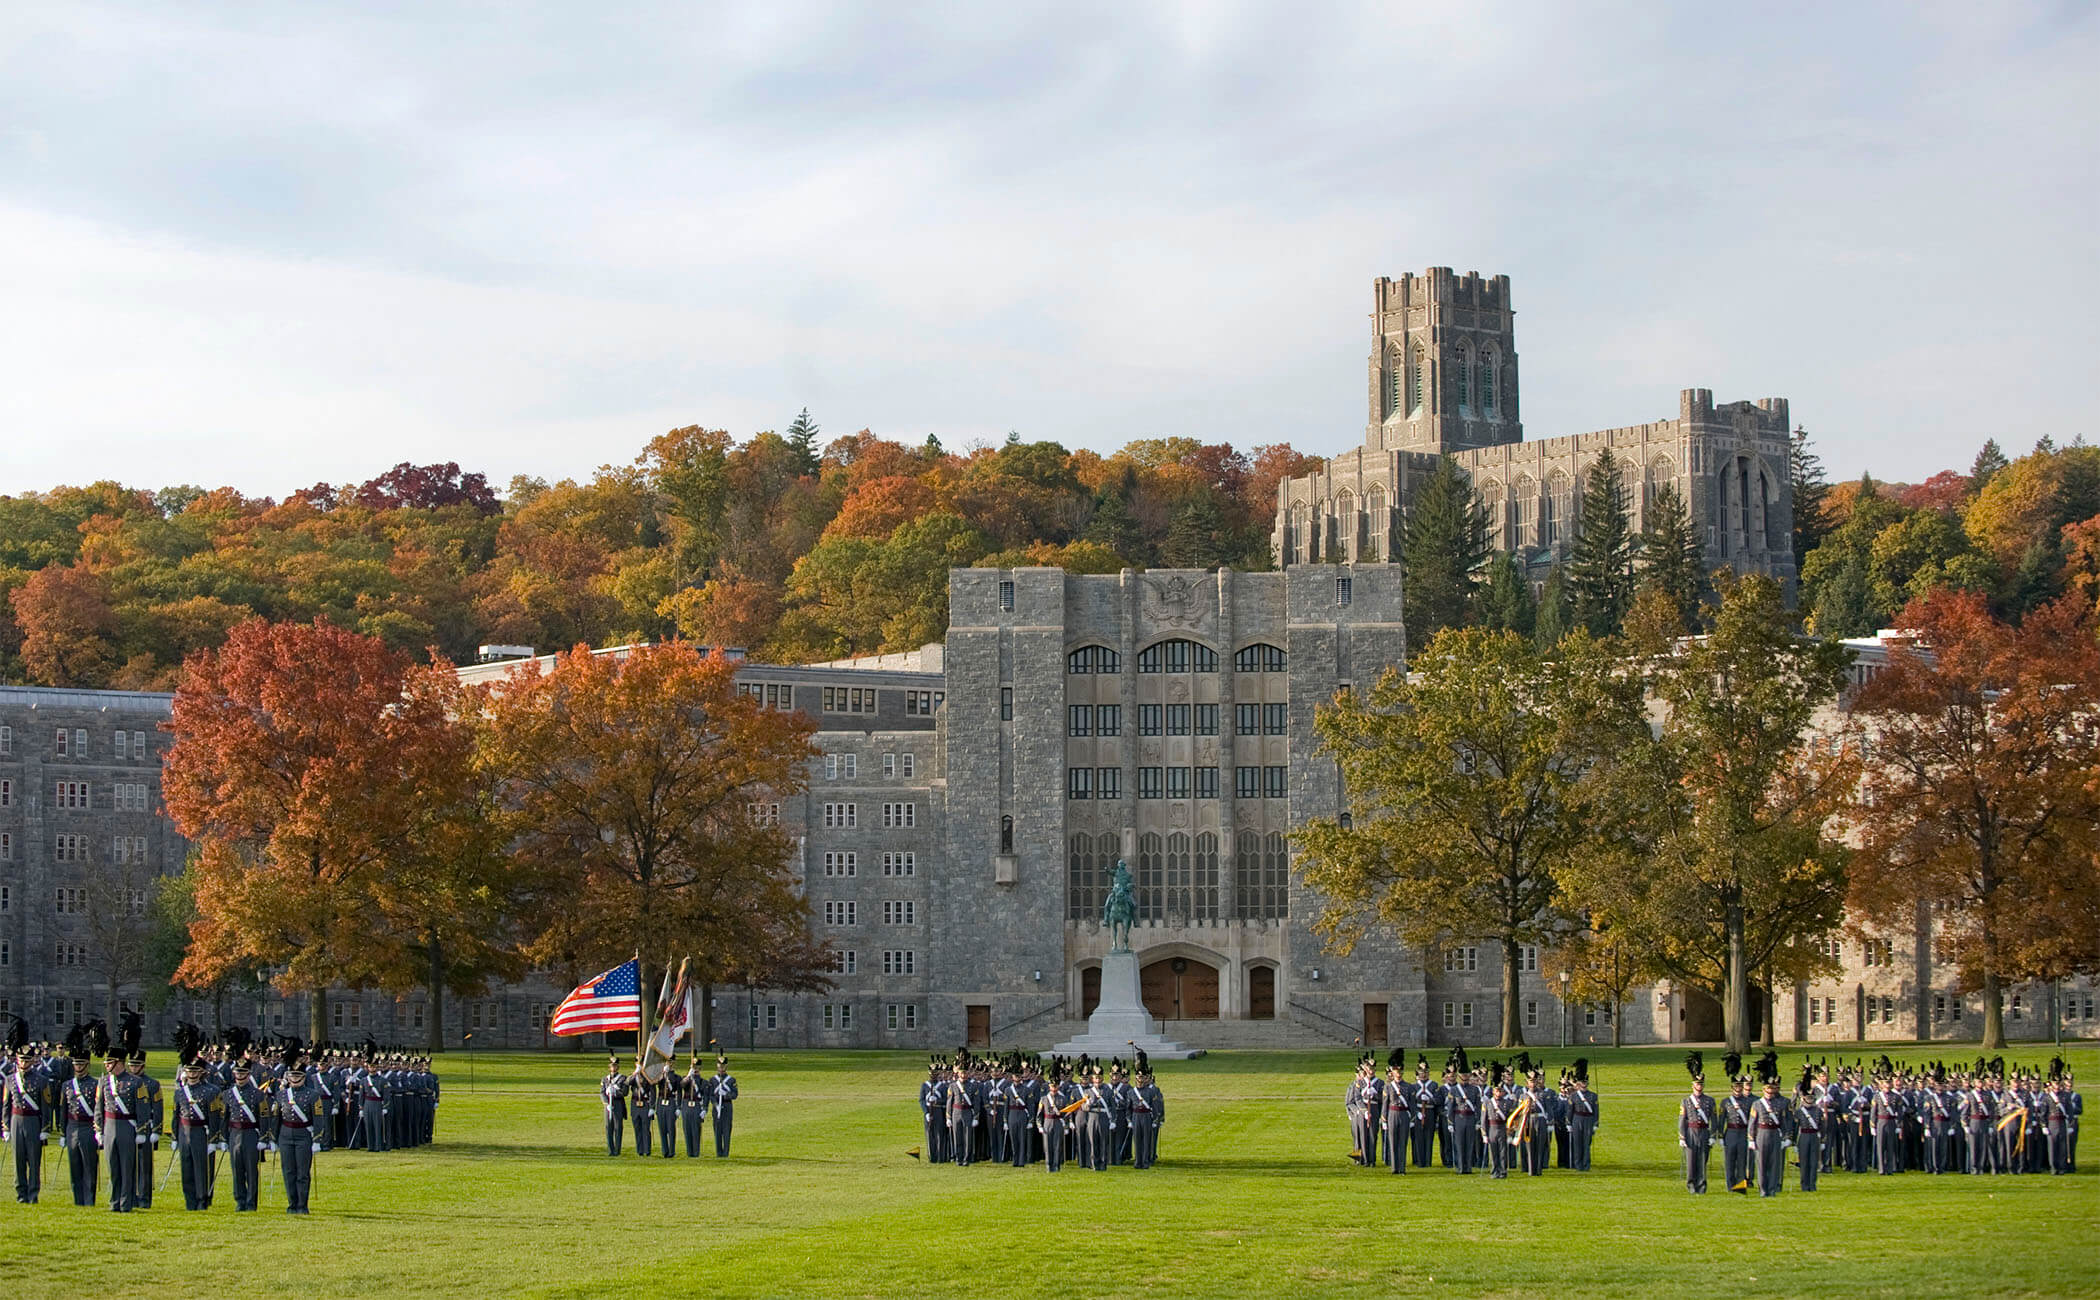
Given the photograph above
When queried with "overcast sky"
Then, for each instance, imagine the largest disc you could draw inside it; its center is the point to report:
(267, 245)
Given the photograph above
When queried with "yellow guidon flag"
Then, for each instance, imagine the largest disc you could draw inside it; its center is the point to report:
(1520, 1121)
(2020, 1140)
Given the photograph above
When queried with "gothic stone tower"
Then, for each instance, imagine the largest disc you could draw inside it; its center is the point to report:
(1443, 368)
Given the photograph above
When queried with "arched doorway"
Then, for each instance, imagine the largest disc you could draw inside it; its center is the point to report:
(1702, 1018)
(1089, 990)
(1261, 993)
(1179, 988)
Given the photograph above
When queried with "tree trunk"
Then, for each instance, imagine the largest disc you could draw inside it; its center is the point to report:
(1768, 1041)
(1993, 1013)
(1618, 1016)
(317, 1016)
(436, 1042)
(1736, 1008)
(1512, 1034)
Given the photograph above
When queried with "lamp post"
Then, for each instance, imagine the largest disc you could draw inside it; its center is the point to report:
(470, 1062)
(1567, 1022)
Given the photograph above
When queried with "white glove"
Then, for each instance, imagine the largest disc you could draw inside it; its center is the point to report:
(218, 1148)
(1680, 1142)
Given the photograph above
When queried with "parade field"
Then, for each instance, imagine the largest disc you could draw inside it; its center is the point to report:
(1254, 1195)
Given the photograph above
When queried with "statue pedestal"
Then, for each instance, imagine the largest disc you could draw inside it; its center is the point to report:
(1120, 1024)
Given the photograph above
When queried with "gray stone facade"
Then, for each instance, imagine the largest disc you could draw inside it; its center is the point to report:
(1443, 373)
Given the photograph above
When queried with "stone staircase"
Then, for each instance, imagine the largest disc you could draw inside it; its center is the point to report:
(1209, 1035)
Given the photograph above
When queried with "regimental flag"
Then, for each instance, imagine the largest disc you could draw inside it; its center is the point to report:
(611, 1001)
(674, 1017)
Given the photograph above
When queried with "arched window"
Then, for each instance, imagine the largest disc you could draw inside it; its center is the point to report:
(1484, 382)
(1346, 528)
(1083, 880)
(1180, 902)
(1177, 657)
(1768, 509)
(1276, 879)
(1298, 545)
(1204, 887)
(1554, 510)
(1491, 511)
(1524, 500)
(1260, 657)
(1461, 379)
(1151, 876)
(1093, 659)
(1395, 381)
(1246, 876)
(1656, 475)
(1379, 537)
(1421, 368)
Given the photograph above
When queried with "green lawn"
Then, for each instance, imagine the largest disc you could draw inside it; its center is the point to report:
(1255, 1196)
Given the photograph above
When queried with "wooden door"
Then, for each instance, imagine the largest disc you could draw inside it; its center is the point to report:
(978, 1026)
(1089, 990)
(1261, 993)
(1374, 1024)
(1178, 988)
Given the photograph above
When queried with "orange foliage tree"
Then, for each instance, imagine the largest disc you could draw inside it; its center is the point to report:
(1981, 793)
(326, 784)
(632, 783)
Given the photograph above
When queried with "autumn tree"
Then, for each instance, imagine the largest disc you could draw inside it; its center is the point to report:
(1473, 782)
(67, 627)
(1980, 792)
(1604, 964)
(629, 783)
(321, 778)
(1730, 802)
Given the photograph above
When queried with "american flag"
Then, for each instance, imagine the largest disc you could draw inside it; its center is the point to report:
(611, 1001)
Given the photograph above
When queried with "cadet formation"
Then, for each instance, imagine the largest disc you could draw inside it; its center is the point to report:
(233, 1104)
(664, 1106)
(1017, 1110)
(1489, 1117)
(1882, 1119)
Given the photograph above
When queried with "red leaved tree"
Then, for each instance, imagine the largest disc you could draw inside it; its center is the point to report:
(1981, 791)
(629, 784)
(326, 783)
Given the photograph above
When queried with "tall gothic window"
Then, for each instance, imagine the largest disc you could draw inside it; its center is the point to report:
(1151, 877)
(1381, 524)
(1346, 526)
(1180, 900)
(1204, 887)
(1083, 880)
(1484, 377)
(1461, 372)
(1421, 367)
(1276, 879)
(1395, 381)
(1499, 531)
(1554, 510)
(1524, 501)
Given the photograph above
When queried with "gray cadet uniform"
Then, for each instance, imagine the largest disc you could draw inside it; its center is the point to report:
(247, 1118)
(1582, 1118)
(200, 1128)
(612, 1092)
(77, 1103)
(1771, 1126)
(692, 1106)
(152, 1121)
(27, 1099)
(1735, 1140)
(301, 1105)
(1148, 1113)
(120, 1100)
(1697, 1118)
(1399, 1110)
(1050, 1122)
(721, 1104)
(1809, 1119)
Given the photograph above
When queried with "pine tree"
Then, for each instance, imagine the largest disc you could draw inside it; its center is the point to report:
(1554, 615)
(1843, 606)
(802, 436)
(1987, 464)
(1444, 549)
(1600, 570)
(1811, 495)
(1195, 537)
(1505, 602)
(1113, 527)
(1672, 560)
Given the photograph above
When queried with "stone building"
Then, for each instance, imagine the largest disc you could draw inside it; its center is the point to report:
(1443, 381)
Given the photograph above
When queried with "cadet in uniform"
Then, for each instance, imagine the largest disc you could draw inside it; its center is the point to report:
(1428, 1114)
(247, 1115)
(961, 1110)
(119, 1100)
(1809, 1118)
(200, 1121)
(1582, 1115)
(1398, 1109)
(27, 1102)
(1495, 1110)
(692, 1104)
(76, 1101)
(300, 1107)
(612, 1091)
(1697, 1117)
(1772, 1124)
(1050, 1119)
(932, 1116)
(643, 1093)
(152, 1119)
(1735, 1128)
(721, 1106)
(1148, 1114)
(670, 1099)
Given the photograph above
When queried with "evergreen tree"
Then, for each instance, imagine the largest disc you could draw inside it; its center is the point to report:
(802, 438)
(1600, 570)
(1811, 495)
(1672, 560)
(1113, 527)
(1443, 551)
(1986, 465)
(1195, 538)
(1554, 614)
(1505, 602)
